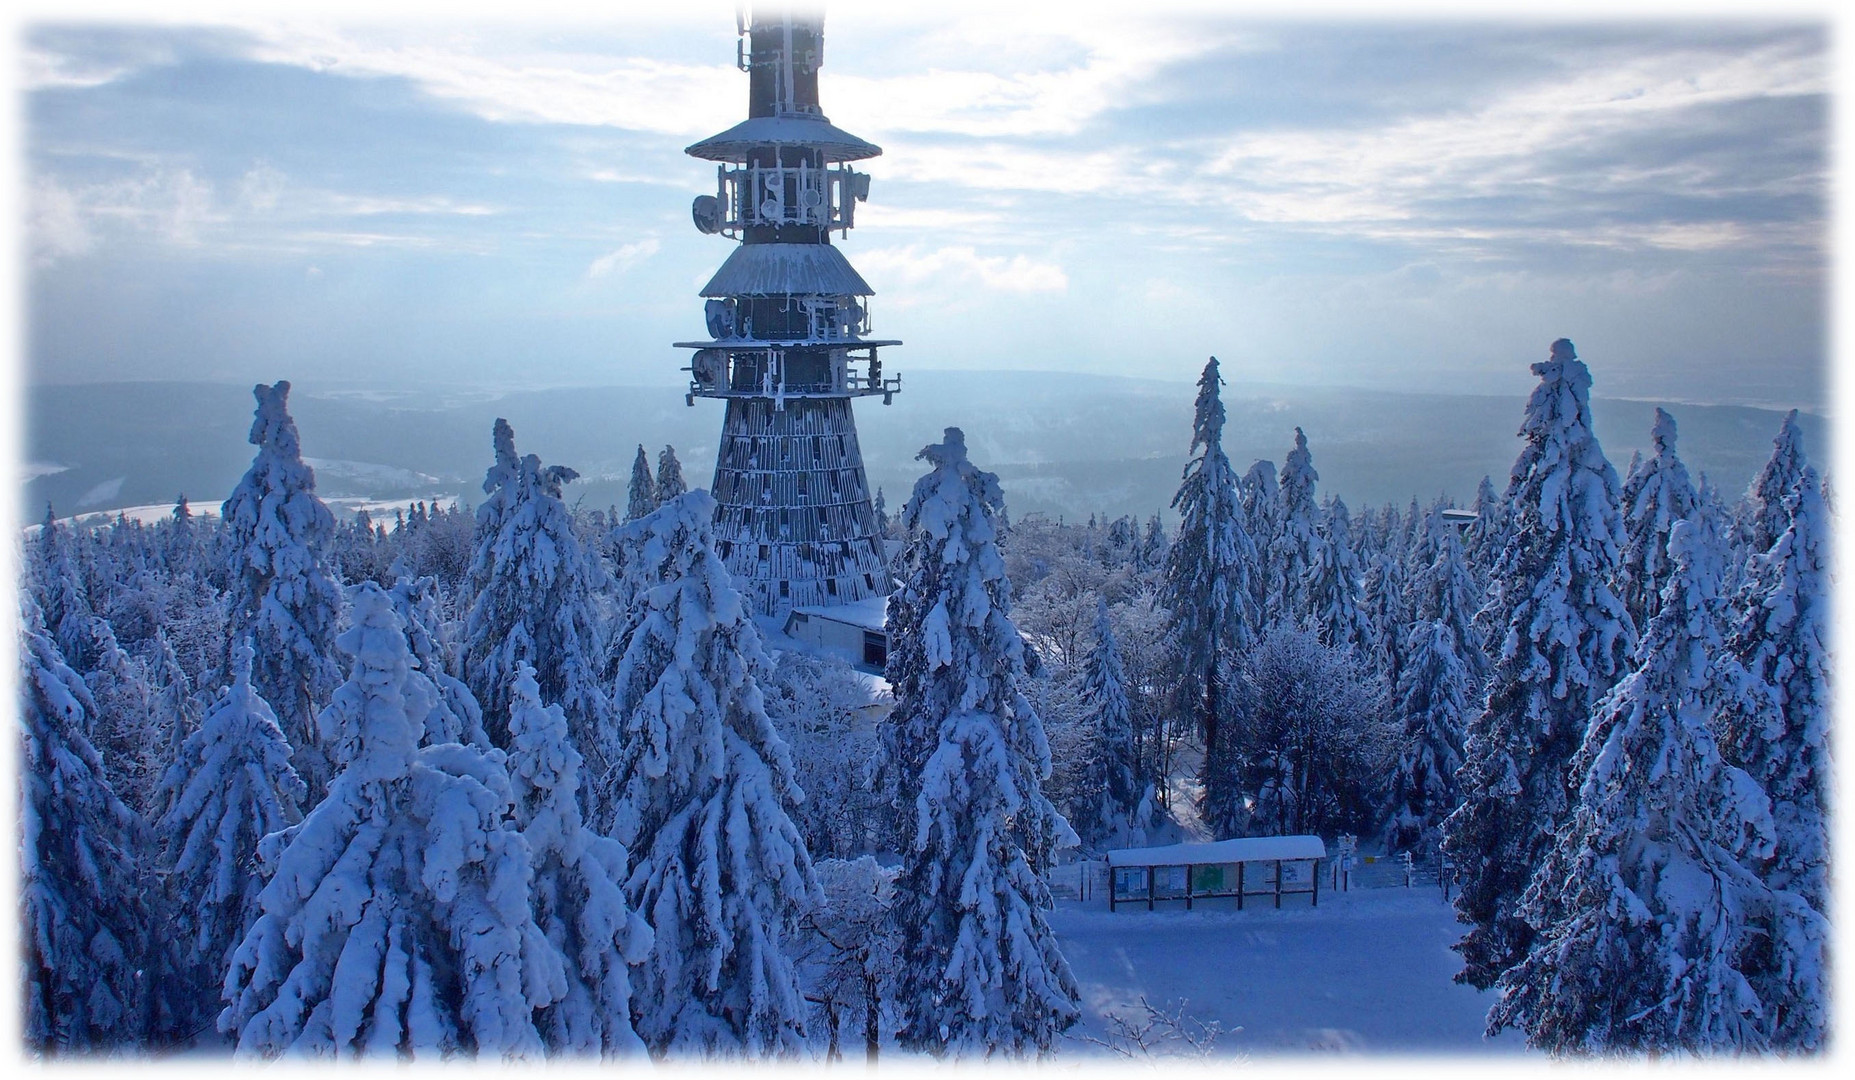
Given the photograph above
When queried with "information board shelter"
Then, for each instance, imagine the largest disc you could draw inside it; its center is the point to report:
(1272, 866)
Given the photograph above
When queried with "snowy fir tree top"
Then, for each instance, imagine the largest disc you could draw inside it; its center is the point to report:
(1208, 578)
(669, 475)
(1297, 480)
(1208, 410)
(379, 712)
(534, 584)
(956, 508)
(1774, 482)
(274, 514)
(1565, 494)
(642, 494)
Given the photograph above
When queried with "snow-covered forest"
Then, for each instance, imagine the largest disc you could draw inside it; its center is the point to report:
(524, 780)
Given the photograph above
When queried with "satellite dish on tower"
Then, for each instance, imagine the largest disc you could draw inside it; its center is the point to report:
(708, 366)
(706, 211)
(720, 317)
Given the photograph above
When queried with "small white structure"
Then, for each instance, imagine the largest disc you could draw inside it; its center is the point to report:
(1274, 866)
(855, 631)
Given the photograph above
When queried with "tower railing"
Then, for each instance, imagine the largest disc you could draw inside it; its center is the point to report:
(793, 319)
(801, 194)
(760, 373)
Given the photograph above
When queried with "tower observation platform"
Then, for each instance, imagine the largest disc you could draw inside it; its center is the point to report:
(789, 342)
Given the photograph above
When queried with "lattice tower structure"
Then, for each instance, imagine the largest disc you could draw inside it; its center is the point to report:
(789, 342)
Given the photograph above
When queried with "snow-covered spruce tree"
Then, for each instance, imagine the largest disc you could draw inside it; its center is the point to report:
(1565, 640)
(579, 886)
(1153, 544)
(175, 701)
(1123, 533)
(1711, 511)
(1388, 607)
(181, 548)
(229, 786)
(881, 506)
(1641, 908)
(717, 865)
(1433, 697)
(979, 971)
(1766, 518)
(1334, 584)
(56, 583)
(1770, 693)
(272, 544)
(1446, 592)
(396, 920)
(1262, 504)
(83, 918)
(642, 496)
(1296, 549)
(1117, 800)
(1427, 532)
(1487, 537)
(669, 475)
(1656, 494)
(534, 587)
(1208, 585)
(1779, 730)
(455, 715)
(128, 725)
(1416, 541)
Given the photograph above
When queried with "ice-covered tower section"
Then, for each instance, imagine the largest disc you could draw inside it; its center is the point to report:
(789, 340)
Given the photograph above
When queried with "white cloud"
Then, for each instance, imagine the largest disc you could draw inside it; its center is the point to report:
(1508, 147)
(911, 265)
(623, 259)
(1007, 71)
(497, 74)
(261, 188)
(42, 67)
(265, 211)
(56, 224)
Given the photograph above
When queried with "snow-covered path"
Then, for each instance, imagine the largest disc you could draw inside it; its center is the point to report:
(1369, 971)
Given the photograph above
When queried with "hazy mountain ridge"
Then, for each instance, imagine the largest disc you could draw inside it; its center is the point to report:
(1061, 444)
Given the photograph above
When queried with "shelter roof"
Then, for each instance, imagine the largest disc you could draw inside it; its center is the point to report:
(1244, 849)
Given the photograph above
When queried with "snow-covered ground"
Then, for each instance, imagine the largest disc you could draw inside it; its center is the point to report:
(1368, 971)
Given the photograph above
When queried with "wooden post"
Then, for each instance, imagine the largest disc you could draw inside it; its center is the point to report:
(1189, 867)
(1240, 867)
(1149, 888)
(1110, 888)
(1278, 884)
(1317, 884)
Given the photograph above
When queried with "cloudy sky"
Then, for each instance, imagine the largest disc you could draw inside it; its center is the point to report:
(1421, 203)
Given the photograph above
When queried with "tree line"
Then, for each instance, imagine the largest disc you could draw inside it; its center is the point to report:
(524, 780)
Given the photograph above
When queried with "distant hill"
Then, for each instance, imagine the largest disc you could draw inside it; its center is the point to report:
(1062, 444)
